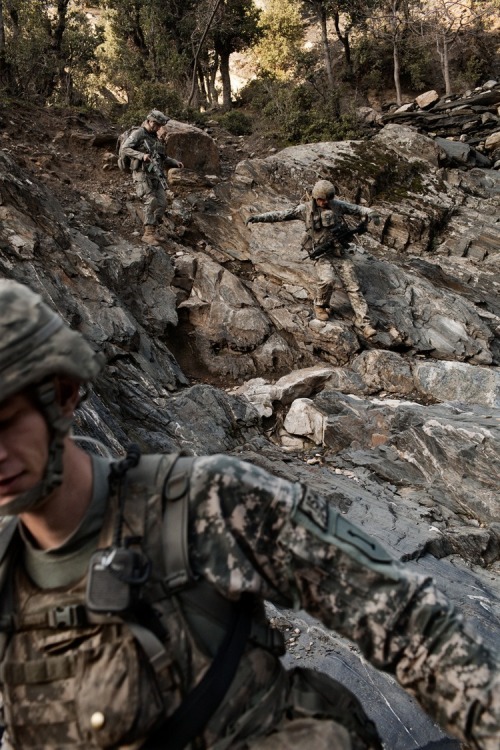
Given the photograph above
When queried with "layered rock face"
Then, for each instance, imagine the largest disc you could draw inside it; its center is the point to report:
(212, 346)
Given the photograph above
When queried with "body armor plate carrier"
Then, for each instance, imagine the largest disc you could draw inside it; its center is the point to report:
(75, 675)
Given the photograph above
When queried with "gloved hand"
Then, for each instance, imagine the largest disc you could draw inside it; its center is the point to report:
(375, 217)
(250, 220)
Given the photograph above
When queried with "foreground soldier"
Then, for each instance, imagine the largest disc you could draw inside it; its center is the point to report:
(324, 219)
(145, 151)
(132, 592)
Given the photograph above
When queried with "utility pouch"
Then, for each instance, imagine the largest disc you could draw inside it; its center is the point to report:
(114, 578)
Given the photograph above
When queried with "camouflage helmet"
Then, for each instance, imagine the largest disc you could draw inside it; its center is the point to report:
(323, 189)
(36, 343)
(158, 117)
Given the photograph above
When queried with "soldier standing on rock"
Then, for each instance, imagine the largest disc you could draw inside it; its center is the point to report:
(324, 219)
(132, 591)
(147, 159)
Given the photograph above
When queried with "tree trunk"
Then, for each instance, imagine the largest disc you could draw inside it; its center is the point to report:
(4, 66)
(344, 39)
(56, 74)
(397, 81)
(7, 71)
(442, 50)
(326, 49)
(200, 45)
(62, 7)
(14, 19)
(135, 39)
(226, 80)
(446, 67)
(202, 89)
(213, 96)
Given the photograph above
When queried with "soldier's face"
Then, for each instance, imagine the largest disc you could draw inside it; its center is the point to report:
(322, 202)
(24, 446)
(154, 126)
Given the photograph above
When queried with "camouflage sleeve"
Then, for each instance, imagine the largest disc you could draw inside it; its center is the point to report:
(133, 144)
(352, 208)
(291, 214)
(252, 531)
(168, 162)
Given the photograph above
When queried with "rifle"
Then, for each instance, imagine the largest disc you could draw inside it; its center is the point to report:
(154, 166)
(340, 237)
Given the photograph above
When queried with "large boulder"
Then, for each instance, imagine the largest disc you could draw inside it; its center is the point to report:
(192, 146)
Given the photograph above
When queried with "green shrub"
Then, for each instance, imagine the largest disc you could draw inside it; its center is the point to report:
(300, 113)
(238, 123)
(152, 96)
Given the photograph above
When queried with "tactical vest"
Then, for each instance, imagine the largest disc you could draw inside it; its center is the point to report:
(75, 678)
(128, 163)
(321, 224)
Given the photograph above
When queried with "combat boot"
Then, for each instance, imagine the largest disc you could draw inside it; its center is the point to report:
(150, 237)
(321, 313)
(366, 328)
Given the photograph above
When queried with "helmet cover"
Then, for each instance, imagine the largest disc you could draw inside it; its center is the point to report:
(323, 189)
(158, 117)
(36, 343)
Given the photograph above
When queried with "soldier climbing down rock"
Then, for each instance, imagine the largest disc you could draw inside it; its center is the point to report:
(132, 591)
(147, 159)
(325, 242)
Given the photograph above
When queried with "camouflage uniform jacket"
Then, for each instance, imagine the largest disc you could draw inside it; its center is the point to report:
(321, 223)
(252, 532)
(134, 148)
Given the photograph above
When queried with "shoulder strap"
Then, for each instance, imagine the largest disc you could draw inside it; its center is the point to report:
(175, 524)
(7, 543)
(170, 474)
(6, 535)
(311, 212)
(8, 549)
(126, 134)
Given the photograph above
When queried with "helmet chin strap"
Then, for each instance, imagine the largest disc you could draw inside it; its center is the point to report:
(59, 426)
(35, 497)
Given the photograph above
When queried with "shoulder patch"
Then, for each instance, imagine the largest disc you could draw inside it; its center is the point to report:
(348, 532)
(315, 508)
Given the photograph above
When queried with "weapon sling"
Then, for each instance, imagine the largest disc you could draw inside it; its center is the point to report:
(195, 711)
(342, 238)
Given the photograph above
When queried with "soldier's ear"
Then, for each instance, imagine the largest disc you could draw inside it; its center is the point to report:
(67, 394)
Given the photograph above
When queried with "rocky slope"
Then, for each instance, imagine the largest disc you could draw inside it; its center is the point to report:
(211, 345)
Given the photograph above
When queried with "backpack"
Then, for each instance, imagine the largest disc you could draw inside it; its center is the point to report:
(123, 159)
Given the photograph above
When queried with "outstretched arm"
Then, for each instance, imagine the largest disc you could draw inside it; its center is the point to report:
(355, 210)
(169, 162)
(291, 214)
(255, 532)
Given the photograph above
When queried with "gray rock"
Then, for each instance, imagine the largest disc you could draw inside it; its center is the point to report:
(404, 428)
